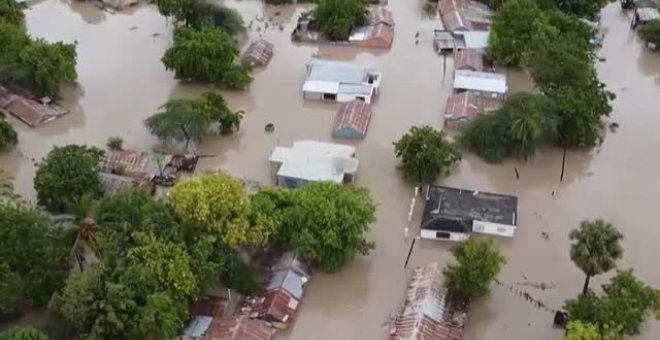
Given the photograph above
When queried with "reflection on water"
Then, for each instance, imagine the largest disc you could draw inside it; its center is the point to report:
(124, 82)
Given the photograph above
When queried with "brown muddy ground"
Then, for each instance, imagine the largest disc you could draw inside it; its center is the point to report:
(122, 81)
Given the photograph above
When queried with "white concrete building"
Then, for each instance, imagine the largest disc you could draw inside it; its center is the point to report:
(342, 82)
(485, 84)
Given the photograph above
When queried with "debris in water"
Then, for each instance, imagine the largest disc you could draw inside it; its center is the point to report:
(602, 59)
(133, 28)
(266, 26)
(277, 13)
(517, 174)
(417, 35)
(270, 127)
(416, 42)
(155, 35)
(545, 235)
(613, 126)
(281, 27)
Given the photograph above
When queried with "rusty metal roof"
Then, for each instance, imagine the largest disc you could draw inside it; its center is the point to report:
(238, 327)
(354, 115)
(381, 15)
(258, 53)
(467, 59)
(427, 314)
(30, 112)
(380, 35)
(279, 305)
(464, 105)
(131, 163)
(209, 305)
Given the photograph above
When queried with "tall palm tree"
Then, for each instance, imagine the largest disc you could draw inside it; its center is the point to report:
(84, 226)
(528, 127)
(595, 248)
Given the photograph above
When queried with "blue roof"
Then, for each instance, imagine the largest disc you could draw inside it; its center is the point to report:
(289, 280)
(197, 327)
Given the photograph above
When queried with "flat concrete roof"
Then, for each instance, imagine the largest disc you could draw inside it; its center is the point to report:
(480, 81)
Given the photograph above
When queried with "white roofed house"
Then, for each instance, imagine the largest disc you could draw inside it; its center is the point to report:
(312, 161)
(342, 82)
(484, 84)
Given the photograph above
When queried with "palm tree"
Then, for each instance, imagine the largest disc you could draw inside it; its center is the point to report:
(596, 248)
(84, 226)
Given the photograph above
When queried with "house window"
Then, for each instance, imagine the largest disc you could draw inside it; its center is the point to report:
(360, 98)
(329, 96)
(441, 234)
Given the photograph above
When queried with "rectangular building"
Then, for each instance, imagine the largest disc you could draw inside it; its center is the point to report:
(341, 82)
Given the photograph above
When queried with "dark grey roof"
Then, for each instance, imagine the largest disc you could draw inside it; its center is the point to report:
(288, 280)
(452, 209)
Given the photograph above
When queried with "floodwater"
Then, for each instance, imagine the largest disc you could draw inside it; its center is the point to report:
(122, 81)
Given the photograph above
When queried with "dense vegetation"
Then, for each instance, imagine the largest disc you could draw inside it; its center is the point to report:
(197, 13)
(337, 18)
(8, 136)
(206, 55)
(478, 262)
(425, 154)
(23, 333)
(650, 32)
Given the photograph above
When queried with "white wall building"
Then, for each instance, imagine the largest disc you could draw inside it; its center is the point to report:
(342, 82)
(485, 84)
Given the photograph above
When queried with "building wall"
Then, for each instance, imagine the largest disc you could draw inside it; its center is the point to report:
(343, 98)
(288, 182)
(312, 95)
(493, 228)
(433, 235)
(347, 133)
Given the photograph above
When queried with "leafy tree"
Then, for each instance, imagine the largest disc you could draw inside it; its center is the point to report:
(115, 143)
(577, 330)
(8, 136)
(532, 122)
(330, 222)
(337, 18)
(161, 317)
(581, 8)
(518, 27)
(179, 120)
(624, 305)
(66, 174)
(23, 333)
(11, 12)
(478, 262)
(650, 31)
(206, 55)
(596, 248)
(489, 137)
(33, 250)
(220, 16)
(425, 154)
(13, 40)
(214, 106)
(215, 203)
(83, 229)
(10, 292)
(181, 10)
(7, 194)
(46, 66)
(269, 207)
(568, 63)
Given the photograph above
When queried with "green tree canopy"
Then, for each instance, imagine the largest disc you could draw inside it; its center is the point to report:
(197, 13)
(595, 249)
(337, 18)
(66, 174)
(10, 292)
(425, 154)
(8, 136)
(478, 262)
(568, 63)
(650, 31)
(46, 66)
(35, 251)
(518, 28)
(214, 106)
(11, 12)
(581, 8)
(206, 55)
(23, 333)
(577, 330)
(179, 121)
(328, 223)
(624, 305)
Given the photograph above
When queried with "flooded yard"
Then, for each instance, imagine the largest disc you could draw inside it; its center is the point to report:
(122, 81)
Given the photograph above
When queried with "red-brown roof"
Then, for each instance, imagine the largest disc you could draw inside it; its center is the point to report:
(209, 305)
(427, 314)
(29, 111)
(279, 305)
(446, 6)
(380, 15)
(354, 115)
(380, 36)
(238, 327)
(467, 59)
(453, 21)
(258, 53)
(463, 106)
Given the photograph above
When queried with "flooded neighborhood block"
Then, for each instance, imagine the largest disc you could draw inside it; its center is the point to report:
(428, 312)
(352, 120)
(338, 81)
(258, 53)
(452, 214)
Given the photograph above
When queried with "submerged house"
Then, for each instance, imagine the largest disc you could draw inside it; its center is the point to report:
(484, 84)
(469, 60)
(312, 161)
(284, 291)
(238, 327)
(452, 214)
(428, 312)
(29, 111)
(464, 15)
(342, 82)
(352, 120)
(450, 41)
(462, 108)
(257, 54)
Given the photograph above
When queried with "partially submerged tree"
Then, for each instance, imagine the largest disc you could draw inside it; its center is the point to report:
(650, 31)
(11, 292)
(12, 12)
(23, 333)
(337, 18)
(478, 262)
(425, 154)
(206, 55)
(595, 249)
(214, 106)
(66, 174)
(518, 28)
(197, 13)
(179, 121)
(8, 136)
(115, 143)
(45, 67)
(581, 8)
(577, 330)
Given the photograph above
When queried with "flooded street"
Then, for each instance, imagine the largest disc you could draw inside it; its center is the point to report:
(122, 81)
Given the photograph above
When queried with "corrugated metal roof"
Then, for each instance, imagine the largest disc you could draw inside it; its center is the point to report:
(290, 260)
(467, 59)
(477, 40)
(380, 15)
(354, 115)
(279, 305)
(239, 327)
(315, 161)
(453, 21)
(31, 112)
(465, 105)
(258, 53)
(380, 35)
(426, 314)
(480, 81)
(196, 327)
(131, 163)
(357, 89)
(289, 280)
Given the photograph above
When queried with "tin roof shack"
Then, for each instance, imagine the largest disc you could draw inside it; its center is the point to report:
(238, 327)
(451, 41)
(644, 15)
(32, 112)
(484, 84)
(257, 54)
(144, 166)
(470, 60)
(352, 120)
(342, 82)
(462, 108)
(284, 291)
(312, 161)
(464, 15)
(452, 214)
(428, 312)
(114, 183)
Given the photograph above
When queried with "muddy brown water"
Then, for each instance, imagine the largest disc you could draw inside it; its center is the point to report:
(122, 81)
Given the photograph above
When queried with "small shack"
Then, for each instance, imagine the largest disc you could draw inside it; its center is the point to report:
(462, 108)
(339, 81)
(112, 183)
(32, 112)
(238, 327)
(352, 120)
(257, 54)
